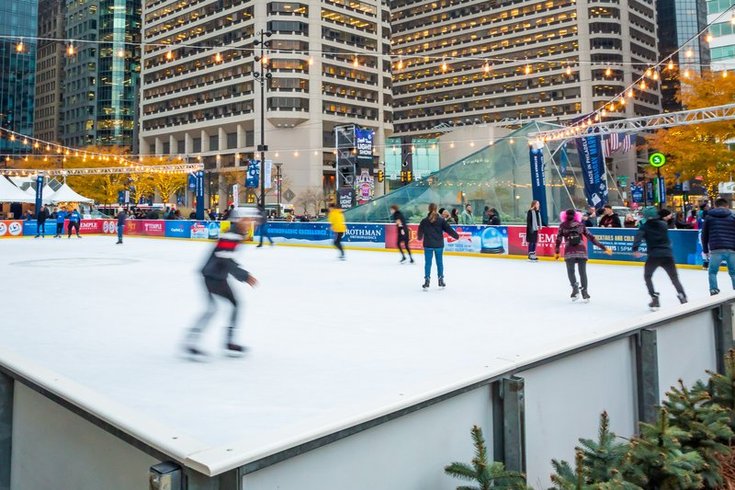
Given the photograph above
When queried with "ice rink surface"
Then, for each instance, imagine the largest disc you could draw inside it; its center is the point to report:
(329, 341)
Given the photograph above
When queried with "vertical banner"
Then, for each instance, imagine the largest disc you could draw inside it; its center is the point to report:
(660, 190)
(593, 170)
(268, 172)
(39, 194)
(236, 195)
(364, 147)
(192, 182)
(563, 160)
(346, 197)
(200, 194)
(252, 178)
(538, 182)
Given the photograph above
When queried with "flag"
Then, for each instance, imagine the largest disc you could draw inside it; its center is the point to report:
(615, 142)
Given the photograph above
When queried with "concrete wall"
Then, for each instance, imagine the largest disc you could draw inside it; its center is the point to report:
(55, 449)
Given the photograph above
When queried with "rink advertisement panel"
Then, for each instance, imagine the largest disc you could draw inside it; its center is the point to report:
(11, 228)
(620, 241)
(360, 235)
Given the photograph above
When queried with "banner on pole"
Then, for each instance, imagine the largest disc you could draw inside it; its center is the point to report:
(364, 146)
(593, 170)
(39, 194)
(253, 176)
(538, 182)
(268, 173)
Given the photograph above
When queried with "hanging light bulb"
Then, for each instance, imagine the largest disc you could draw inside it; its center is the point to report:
(708, 38)
(121, 53)
(25, 141)
(169, 55)
(670, 66)
(686, 73)
(631, 93)
(311, 60)
(20, 47)
(444, 66)
(355, 62)
(655, 75)
(48, 148)
(12, 137)
(649, 72)
(689, 53)
(603, 113)
(643, 85)
(724, 73)
(36, 145)
(608, 72)
(399, 65)
(569, 70)
(218, 57)
(486, 67)
(71, 50)
(527, 70)
(622, 101)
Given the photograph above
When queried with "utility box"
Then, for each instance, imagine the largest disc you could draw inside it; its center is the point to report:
(165, 476)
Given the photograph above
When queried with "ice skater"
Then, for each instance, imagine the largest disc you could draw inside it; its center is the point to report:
(220, 265)
(533, 225)
(60, 217)
(74, 220)
(122, 216)
(41, 222)
(718, 242)
(655, 232)
(336, 219)
(263, 222)
(401, 231)
(431, 231)
(573, 232)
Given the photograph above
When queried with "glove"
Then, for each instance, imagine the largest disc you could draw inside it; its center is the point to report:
(608, 251)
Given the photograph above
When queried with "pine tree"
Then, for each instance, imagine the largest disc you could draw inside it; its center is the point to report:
(487, 475)
(597, 465)
(721, 387)
(656, 459)
(705, 425)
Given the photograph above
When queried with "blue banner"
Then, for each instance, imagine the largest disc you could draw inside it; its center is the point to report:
(30, 228)
(39, 194)
(620, 241)
(365, 233)
(364, 146)
(121, 197)
(593, 170)
(252, 179)
(177, 229)
(200, 194)
(538, 182)
(192, 182)
(636, 193)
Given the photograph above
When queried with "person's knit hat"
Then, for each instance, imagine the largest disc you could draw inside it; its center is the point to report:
(650, 212)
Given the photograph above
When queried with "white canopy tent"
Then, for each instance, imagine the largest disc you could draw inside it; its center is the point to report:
(10, 193)
(48, 191)
(67, 194)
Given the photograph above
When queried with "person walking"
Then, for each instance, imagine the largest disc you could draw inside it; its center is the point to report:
(467, 218)
(485, 215)
(220, 265)
(60, 217)
(401, 231)
(263, 226)
(590, 220)
(431, 231)
(655, 232)
(573, 232)
(336, 219)
(609, 218)
(718, 242)
(122, 216)
(41, 222)
(454, 217)
(74, 222)
(533, 225)
(494, 217)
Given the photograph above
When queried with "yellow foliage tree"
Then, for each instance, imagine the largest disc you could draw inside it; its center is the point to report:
(700, 150)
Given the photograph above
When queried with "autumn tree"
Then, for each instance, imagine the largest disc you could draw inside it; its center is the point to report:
(699, 150)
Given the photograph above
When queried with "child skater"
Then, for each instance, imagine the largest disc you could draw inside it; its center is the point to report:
(220, 265)
(401, 231)
(572, 231)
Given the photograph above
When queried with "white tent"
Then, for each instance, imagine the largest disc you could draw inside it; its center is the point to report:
(47, 193)
(10, 193)
(67, 194)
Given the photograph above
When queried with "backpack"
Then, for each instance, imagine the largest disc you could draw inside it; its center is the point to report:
(573, 237)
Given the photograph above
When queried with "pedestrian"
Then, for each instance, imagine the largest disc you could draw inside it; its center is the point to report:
(28, 216)
(692, 220)
(445, 214)
(533, 225)
(467, 218)
(609, 218)
(60, 217)
(220, 265)
(74, 223)
(655, 233)
(591, 217)
(41, 222)
(718, 242)
(629, 221)
(494, 217)
(226, 214)
(336, 219)
(572, 231)
(431, 231)
(122, 216)
(454, 217)
(263, 226)
(485, 215)
(401, 231)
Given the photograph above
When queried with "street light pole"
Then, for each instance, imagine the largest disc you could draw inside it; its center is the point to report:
(278, 188)
(262, 76)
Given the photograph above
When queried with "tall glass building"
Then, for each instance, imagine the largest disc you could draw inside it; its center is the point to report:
(18, 19)
(101, 77)
(722, 47)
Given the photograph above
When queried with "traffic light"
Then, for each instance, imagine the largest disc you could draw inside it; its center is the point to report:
(403, 176)
(381, 176)
(409, 176)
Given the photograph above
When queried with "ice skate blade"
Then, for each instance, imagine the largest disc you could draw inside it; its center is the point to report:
(195, 355)
(654, 308)
(236, 354)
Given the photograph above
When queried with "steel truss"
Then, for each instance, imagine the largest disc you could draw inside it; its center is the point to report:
(644, 123)
(133, 169)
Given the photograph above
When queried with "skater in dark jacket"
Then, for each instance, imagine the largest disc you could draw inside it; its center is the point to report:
(122, 216)
(74, 220)
(402, 232)
(573, 232)
(655, 232)
(220, 265)
(533, 225)
(431, 231)
(42, 217)
(718, 242)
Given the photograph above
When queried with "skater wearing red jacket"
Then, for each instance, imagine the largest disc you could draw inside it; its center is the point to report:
(220, 265)
(573, 232)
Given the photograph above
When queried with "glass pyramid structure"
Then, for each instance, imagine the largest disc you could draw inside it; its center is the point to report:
(497, 176)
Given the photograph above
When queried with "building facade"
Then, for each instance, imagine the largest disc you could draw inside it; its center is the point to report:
(460, 63)
(18, 21)
(101, 73)
(49, 70)
(328, 63)
(680, 22)
(722, 47)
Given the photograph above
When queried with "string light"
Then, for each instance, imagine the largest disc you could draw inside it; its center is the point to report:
(670, 66)
(608, 72)
(169, 55)
(71, 50)
(20, 47)
(643, 85)
(311, 60)
(655, 75)
(486, 67)
(708, 37)
(527, 71)
(648, 72)
(218, 58)
(686, 73)
(569, 70)
(355, 62)
(444, 66)
(399, 65)
(631, 94)
(689, 53)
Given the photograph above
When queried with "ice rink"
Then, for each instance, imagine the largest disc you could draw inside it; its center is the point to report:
(330, 342)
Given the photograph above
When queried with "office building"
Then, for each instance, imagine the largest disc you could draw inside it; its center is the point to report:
(200, 99)
(49, 70)
(722, 47)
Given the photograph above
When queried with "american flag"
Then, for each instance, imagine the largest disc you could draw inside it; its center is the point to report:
(615, 142)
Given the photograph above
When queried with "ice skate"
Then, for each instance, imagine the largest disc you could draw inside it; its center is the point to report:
(194, 353)
(234, 350)
(682, 298)
(575, 293)
(585, 296)
(403, 259)
(532, 257)
(442, 284)
(412, 261)
(426, 284)
(713, 292)
(655, 304)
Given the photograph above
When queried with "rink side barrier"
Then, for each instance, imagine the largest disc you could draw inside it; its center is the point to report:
(480, 240)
